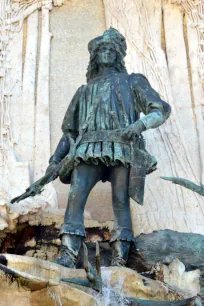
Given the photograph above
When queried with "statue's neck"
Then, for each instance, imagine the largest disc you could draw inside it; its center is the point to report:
(106, 70)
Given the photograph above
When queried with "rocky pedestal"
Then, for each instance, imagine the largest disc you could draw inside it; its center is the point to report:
(32, 282)
(166, 245)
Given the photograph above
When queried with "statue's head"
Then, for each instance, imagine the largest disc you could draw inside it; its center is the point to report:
(108, 50)
(106, 55)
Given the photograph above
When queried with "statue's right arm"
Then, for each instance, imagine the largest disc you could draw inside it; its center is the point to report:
(61, 151)
(69, 129)
(70, 124)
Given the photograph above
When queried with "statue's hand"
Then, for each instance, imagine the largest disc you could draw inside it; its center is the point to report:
(134, 129)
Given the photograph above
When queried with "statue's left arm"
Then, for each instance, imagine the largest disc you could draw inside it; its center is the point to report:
(146, 101)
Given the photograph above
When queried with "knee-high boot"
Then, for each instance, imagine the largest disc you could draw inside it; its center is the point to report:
(70, 248)
(120, 252)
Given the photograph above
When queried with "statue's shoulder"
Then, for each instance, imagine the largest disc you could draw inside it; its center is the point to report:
(137, 79)
(81, 88)
(79, 91)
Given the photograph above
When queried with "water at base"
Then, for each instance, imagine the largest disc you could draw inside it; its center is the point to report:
(108, 296)
(55, 297)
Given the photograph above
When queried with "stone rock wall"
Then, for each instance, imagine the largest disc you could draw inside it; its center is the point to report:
(43, 59)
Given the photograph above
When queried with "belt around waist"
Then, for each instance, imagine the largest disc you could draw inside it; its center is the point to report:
(104, 135)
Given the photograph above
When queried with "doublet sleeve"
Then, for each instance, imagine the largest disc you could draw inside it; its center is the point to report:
(70, 122)
(148, 101)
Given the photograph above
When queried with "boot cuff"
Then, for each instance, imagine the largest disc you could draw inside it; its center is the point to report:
(122, 233)
(73, 228)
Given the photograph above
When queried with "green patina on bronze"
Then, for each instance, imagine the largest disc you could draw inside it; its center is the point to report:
(100, 114)
(102, 141)
(116, 100)
(185, 183)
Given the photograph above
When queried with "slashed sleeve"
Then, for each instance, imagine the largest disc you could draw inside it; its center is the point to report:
(70, 124)
(148, 101)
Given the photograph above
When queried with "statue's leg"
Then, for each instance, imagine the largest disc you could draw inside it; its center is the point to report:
(122, 233)
(83, 179)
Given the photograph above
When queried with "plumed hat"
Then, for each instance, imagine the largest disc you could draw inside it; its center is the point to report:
(109, 36)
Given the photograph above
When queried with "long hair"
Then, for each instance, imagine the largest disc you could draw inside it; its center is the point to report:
(93, 67)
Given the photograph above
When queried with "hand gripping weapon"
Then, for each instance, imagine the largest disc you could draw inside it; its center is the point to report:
(66, 164)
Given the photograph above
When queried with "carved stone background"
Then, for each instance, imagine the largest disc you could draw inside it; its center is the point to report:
(165, 42)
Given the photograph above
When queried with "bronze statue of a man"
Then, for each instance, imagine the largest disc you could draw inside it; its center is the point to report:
(106, 113)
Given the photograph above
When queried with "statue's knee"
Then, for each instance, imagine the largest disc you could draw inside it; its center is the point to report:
(77, 193)
(120, 200)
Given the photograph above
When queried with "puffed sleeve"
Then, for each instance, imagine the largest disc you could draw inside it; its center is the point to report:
(70, 122)
(148, 101)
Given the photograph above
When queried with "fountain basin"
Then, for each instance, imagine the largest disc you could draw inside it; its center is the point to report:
(27, 281)
(31, 282)
(39, 269)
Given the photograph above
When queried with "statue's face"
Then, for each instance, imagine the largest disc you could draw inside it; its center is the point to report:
(106, 55)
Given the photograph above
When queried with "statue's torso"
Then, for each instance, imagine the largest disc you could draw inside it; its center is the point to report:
(106, 104)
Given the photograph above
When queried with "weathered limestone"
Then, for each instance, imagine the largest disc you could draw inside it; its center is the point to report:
(38, 281)
(196, 86)
(42, 129)
(68, 296)
(132, 284)
(178, 70)
(187, 283)
(11, 215)
(37, 213)
(42, 124)
(28, 92)
(60, 294)
(36, 269)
